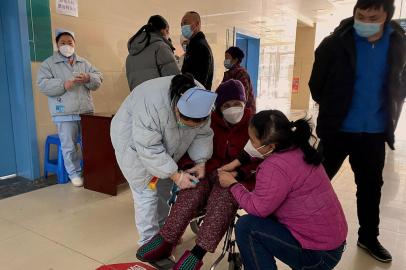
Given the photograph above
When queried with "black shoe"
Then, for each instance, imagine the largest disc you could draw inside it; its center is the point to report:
(376, 250)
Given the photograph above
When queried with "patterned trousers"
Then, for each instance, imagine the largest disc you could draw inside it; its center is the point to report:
(221, 208)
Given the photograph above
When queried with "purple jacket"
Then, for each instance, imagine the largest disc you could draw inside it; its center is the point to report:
(300, 196)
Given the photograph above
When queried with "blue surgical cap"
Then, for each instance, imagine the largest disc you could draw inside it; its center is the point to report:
(196, 103)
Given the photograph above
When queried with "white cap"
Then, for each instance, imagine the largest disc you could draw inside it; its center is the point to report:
(59, 31)
(196, 103)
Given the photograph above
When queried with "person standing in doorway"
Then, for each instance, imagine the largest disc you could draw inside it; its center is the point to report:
(198, 59)
(232, 61)
(67, 80)
(359, 82)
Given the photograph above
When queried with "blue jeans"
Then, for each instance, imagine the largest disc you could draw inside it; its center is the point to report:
(261, 240)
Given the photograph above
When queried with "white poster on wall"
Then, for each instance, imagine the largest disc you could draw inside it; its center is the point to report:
(67, 7)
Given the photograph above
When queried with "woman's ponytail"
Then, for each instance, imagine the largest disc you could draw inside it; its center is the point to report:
(302, 132)
(273, 127)
(155, 24)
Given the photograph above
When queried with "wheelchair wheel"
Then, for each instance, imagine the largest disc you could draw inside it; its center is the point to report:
(195, 225)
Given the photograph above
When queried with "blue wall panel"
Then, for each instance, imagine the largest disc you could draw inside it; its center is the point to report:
(18, 68)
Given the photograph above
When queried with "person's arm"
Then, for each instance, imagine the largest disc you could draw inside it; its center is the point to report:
(166, 61)
(95, 77)
(244, 157)
(245, 171)
(213, 164)
(147, 139)
(403, 89)
(321, 70)
(201, 148)
(128, 73)
(271, 189)
(50, 86)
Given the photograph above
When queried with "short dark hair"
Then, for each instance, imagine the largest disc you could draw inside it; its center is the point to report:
(58, 37)
(195, 14)
(387, 5)
(236, 53)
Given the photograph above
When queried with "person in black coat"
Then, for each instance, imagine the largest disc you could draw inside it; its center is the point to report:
(359, 82)
(198, 59)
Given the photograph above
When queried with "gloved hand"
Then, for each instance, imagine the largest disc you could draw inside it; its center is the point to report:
(199, 170)
(184, 180)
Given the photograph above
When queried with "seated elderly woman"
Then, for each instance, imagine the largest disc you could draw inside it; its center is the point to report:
(230, 123)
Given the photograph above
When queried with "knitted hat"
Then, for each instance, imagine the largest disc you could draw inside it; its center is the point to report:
(230, 90)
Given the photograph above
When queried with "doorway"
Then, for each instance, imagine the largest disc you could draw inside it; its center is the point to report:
(18, 136)
(251, 47)
(7, 156)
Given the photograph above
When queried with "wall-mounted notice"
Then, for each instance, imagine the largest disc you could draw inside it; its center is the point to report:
(295, 85)
(67, 7)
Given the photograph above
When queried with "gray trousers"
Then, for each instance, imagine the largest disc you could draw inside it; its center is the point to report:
(68, 133)
(151, 208)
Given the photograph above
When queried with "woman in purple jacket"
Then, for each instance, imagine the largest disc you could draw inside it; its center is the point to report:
(293, 213)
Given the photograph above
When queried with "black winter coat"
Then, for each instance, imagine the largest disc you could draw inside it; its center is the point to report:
(199, 60)
(333, 79)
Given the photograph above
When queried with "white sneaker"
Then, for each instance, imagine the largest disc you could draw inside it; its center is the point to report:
(77, 181)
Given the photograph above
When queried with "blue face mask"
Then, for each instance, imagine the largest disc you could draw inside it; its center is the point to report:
(228, 64)
(182, 125)
(366, 30)
(187, 31)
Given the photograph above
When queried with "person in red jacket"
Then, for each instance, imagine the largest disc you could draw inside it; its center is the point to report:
(232, 62)
(230, 123)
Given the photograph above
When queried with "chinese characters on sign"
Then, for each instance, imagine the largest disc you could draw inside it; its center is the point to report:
(67, 7)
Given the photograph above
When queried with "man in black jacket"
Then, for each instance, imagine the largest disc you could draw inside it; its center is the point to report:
(198, 57)
(359, 82)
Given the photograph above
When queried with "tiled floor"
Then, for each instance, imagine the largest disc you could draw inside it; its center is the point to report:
(62, 227)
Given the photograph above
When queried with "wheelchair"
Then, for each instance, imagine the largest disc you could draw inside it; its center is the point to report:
(229, 243)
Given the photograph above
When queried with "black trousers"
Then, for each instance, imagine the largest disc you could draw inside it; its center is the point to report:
(366, 153)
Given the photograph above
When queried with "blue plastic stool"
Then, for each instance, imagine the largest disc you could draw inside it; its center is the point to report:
(56, 165)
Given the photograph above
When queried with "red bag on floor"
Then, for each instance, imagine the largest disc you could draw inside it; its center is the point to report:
(127, 266)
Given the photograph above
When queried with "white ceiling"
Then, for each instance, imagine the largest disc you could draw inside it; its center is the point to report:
(266, 18)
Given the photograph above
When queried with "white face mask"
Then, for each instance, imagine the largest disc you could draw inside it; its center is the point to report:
(253, 152)
(233, 115)
(67, 50)
(228, 64)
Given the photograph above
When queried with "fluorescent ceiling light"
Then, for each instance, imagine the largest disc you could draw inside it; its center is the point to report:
(224, 14)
